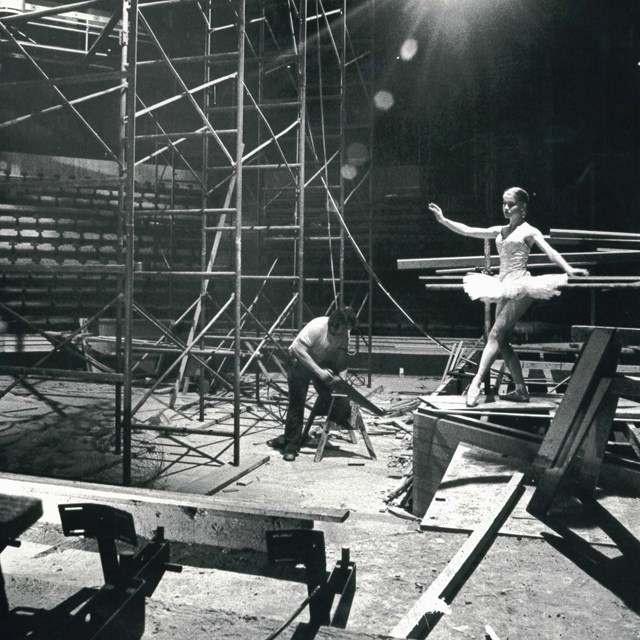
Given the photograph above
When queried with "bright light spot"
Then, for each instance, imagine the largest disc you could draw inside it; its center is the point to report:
(357, 154)
(383, 100)
(409, 49)
(349, 172)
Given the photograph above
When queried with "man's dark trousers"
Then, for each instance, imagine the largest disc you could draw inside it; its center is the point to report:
(299, 378)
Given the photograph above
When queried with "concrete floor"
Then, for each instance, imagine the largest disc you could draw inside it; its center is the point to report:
(523, 587)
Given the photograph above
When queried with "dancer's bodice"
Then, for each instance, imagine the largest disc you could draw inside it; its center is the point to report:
(514, 252)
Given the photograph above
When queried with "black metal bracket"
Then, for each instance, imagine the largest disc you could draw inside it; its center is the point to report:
(104, 523)
(117, 610)
(306, 547)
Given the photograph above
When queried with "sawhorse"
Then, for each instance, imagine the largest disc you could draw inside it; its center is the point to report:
(357, 424)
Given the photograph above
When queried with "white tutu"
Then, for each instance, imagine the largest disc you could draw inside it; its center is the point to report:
(480, 286)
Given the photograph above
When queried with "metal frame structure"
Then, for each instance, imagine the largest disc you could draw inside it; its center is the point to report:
(266, 107)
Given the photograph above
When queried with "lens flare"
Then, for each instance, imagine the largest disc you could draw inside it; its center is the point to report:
(357, 154)
(348, 172)
(408, 49)
(383, 100)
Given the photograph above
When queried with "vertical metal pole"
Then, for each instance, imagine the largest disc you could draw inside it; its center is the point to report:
(343, 118)
(592, 212)
(204, 199)
(260, 180)
(372, 17)
(302, 114)
(130, 35)
(487, 307)
(120, 231)
(238, 233)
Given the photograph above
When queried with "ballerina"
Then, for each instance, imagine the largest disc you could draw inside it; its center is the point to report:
(513, 290)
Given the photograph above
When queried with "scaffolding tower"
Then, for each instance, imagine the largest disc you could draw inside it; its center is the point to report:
(228, 161)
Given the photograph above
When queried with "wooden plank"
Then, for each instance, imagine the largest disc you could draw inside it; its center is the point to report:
(444, 587)
(474, 479)
(572, 441)
(453, 403)
(581, 234)
(597, 257)
(626, 386)
(212, 480)
(634, 437)
(628, 335)
(596, 443)
(470, 485)
(435, 440)
(189, 518)
(598, 357)
(17, 514)
(488, 629)
(344, 388)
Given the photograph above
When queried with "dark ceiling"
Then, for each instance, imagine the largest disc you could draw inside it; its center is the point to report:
(529, 92)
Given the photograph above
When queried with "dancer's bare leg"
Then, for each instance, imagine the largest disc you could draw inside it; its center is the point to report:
(513, 364)
(508, 312)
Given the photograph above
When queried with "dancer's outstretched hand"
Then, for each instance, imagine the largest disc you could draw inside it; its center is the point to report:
(579, 273)
(437, 211)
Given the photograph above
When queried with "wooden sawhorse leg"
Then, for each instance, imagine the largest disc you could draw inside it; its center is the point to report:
(357, 424)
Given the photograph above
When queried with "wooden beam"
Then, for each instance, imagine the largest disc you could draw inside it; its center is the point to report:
(17, 514)
(598, 358)
(584, 234)
(626, 386)
(189, 518)
(597, 257)
(435, 440)
(445, 586)
(488, 629)
(594, 421)
(634, 437)
(628, 335)
(595, 443)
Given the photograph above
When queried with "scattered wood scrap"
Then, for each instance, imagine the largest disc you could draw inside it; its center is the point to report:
(491, 634)
(400, 408)
(428, 608)
(401, 495)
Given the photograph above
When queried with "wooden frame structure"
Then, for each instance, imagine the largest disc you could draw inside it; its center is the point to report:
(573, 450)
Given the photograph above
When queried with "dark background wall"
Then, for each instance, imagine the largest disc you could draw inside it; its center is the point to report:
(539, 94)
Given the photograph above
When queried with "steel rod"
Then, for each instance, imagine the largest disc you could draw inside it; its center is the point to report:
(59, 93)
(17, 18)
(130, 18)
(185, 89)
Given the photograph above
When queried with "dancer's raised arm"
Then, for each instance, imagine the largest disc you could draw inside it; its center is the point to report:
(556, 257)
(463, 229)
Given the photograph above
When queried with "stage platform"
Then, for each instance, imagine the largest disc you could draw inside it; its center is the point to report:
(539, 406)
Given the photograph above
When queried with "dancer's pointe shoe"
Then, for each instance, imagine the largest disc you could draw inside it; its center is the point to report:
(473, 396)
(517, 395)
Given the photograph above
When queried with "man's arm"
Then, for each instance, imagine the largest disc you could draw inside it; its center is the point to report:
(301, 353)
